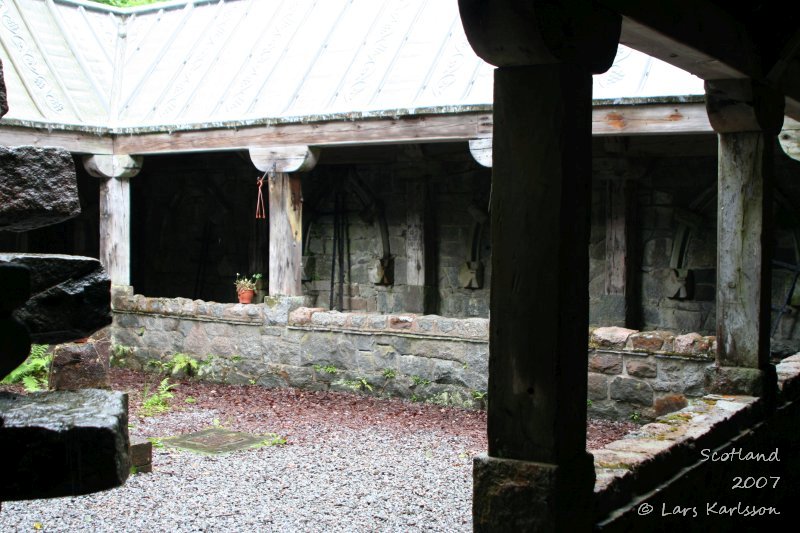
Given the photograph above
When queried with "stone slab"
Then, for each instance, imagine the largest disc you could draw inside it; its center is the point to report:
(70, 297)
(63, 443)
(214, 441)
(38, 187)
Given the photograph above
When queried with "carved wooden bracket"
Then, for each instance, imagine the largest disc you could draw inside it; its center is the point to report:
(481, 150)
(284, 158)
(112, 166)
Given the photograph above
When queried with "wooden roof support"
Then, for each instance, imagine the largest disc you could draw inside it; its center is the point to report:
(115, 172)
(747, 117)
(285, 212)
(541, 187)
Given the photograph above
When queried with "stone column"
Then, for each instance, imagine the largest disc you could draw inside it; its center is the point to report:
(115, 172)
(537, 475)
(285, 213)
(747, 118)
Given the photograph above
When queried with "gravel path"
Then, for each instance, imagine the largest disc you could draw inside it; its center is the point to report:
(352, 463)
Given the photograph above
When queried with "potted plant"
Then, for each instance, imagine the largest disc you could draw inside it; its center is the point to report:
(246, 287)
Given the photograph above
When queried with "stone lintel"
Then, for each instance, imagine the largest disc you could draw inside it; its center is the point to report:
(738, 105)
(511, 495)
(300, 158)
(106, 166)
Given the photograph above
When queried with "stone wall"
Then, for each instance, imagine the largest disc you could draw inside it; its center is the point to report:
(432, 358)
(642, 375)
(280, 343)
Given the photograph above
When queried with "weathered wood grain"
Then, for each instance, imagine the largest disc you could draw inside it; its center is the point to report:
(285, 234)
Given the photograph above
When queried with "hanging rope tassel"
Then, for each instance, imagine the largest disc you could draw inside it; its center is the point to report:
(261, 211)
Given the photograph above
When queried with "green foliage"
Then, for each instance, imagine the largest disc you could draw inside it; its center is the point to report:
(415, 398)
(635, 416)
(34, 372)
(157, 402)
(389, 373)
(589, 403)
(190, 399)
(358, 384)
(179, 364)
(479, 395)
(244, 283)
(182, 363)
(119, 352)
(416, 380)
(157, 442)
(327, 369)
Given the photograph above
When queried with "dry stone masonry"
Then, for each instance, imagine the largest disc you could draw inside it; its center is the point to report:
(282, 342)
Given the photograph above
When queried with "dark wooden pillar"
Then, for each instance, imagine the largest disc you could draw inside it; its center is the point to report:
(537, 475)
(747, 118)
(619, 291)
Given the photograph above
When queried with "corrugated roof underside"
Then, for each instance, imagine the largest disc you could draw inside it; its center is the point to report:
(241, 60)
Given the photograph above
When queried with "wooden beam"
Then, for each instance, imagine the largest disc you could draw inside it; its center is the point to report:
(607, 119)
(77, 142)
(285, 234)
(416, 129)
(650, 119)
(620, 260)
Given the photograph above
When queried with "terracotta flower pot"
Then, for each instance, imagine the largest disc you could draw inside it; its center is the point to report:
(246, 296)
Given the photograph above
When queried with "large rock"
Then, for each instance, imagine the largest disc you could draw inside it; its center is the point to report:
(38, 187)
(80, 366)
(15, 344)
(70, 297)
(3, 99)
(62, 443)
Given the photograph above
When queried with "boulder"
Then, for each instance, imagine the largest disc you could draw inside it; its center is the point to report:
(38, 187)
(63, 443)
(3, 99)
(80, 366)
(70, 297)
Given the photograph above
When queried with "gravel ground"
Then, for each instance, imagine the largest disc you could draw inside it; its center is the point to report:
(352, 463)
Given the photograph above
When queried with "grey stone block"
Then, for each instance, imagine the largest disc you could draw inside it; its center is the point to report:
(631, 391)
(3, 98)
(38, 186)
(63, 443)
(80, 366)
(70, 297)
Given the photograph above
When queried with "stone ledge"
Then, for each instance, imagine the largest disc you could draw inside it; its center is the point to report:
(635, 464)
(473, 329)
(691, 345)
(274, 310)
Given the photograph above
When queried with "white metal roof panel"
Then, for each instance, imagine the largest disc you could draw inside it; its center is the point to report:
(178, 64)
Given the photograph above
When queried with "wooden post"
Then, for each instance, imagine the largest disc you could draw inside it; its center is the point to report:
(285, 206)
(115, 172)
(747, 118)
(416, 267)
(537, 475)
(620, 260)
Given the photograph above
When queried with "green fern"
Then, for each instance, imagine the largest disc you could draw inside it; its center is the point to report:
(33, 373)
